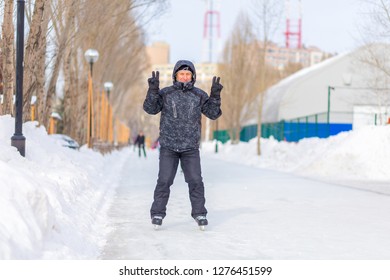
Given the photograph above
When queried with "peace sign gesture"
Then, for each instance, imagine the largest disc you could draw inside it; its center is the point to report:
(216, 87)
(154, 82)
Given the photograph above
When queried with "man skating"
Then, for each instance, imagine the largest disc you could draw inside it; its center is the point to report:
(181, 106)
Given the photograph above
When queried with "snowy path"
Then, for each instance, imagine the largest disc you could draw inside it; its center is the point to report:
(253, 214)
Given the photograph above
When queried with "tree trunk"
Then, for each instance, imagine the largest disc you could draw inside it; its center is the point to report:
(79, 97)
(68, 108)
(40, 69)
(263, 82)
(8, 54)
(32, 52)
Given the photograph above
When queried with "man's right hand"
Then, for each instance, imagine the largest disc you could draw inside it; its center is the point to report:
(154, 82)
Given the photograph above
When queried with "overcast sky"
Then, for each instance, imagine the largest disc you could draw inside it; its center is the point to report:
(330, 25)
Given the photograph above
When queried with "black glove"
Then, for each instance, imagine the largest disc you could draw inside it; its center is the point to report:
(154, 82)
(216, 88)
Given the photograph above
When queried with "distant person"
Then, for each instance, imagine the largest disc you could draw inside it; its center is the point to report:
(140, 141)
(181, 106)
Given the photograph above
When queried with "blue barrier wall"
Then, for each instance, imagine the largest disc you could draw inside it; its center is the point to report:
(298, 131)
(288, 131)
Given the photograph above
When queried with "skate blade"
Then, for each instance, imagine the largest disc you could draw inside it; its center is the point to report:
(156, 227)
(202, 228)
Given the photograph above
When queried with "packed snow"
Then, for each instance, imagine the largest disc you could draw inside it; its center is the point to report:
(316, 199)
(53, 202)
(358, 158)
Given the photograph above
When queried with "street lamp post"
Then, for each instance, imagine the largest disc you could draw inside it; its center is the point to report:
(91, 56)
(328, 114)
(108, 87)
(18, 140)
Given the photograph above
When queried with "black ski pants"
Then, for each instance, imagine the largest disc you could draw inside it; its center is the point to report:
(141, 147)
(190, 164)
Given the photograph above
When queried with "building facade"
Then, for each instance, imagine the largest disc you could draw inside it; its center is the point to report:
(280, 57)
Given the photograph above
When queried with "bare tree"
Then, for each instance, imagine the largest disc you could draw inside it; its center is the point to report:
(62, 19)
(373, 58)
(290, 69)
(71, 84)
(239, 72)
(375, 21)
(373, 64)
(267, 15)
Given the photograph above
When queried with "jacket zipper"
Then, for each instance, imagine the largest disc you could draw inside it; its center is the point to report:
(174, 110)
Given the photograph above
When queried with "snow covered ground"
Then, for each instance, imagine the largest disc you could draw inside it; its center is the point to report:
(359, 158)
(253, 214)
(291, 203)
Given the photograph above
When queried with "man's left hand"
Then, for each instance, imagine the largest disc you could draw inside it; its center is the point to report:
(216, 87)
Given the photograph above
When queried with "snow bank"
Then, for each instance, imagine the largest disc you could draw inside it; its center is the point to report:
(362, 154)
(53, 202)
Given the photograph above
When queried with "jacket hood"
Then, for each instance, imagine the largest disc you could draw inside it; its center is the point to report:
(181, 63)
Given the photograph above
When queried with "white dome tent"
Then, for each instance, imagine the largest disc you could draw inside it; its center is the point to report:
(341, 93)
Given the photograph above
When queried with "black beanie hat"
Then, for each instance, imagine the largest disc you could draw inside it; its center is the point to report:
(185, 67)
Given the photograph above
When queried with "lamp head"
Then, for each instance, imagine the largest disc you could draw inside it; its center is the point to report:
(108, 86)
(91, 55)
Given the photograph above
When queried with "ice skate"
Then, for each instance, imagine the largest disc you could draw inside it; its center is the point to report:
(202, 222)
(157, 222)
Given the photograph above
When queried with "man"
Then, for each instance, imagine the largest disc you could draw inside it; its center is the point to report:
(140, 141)
(181, 106)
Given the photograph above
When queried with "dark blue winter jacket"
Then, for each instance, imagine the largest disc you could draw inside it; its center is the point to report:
(181, 106)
